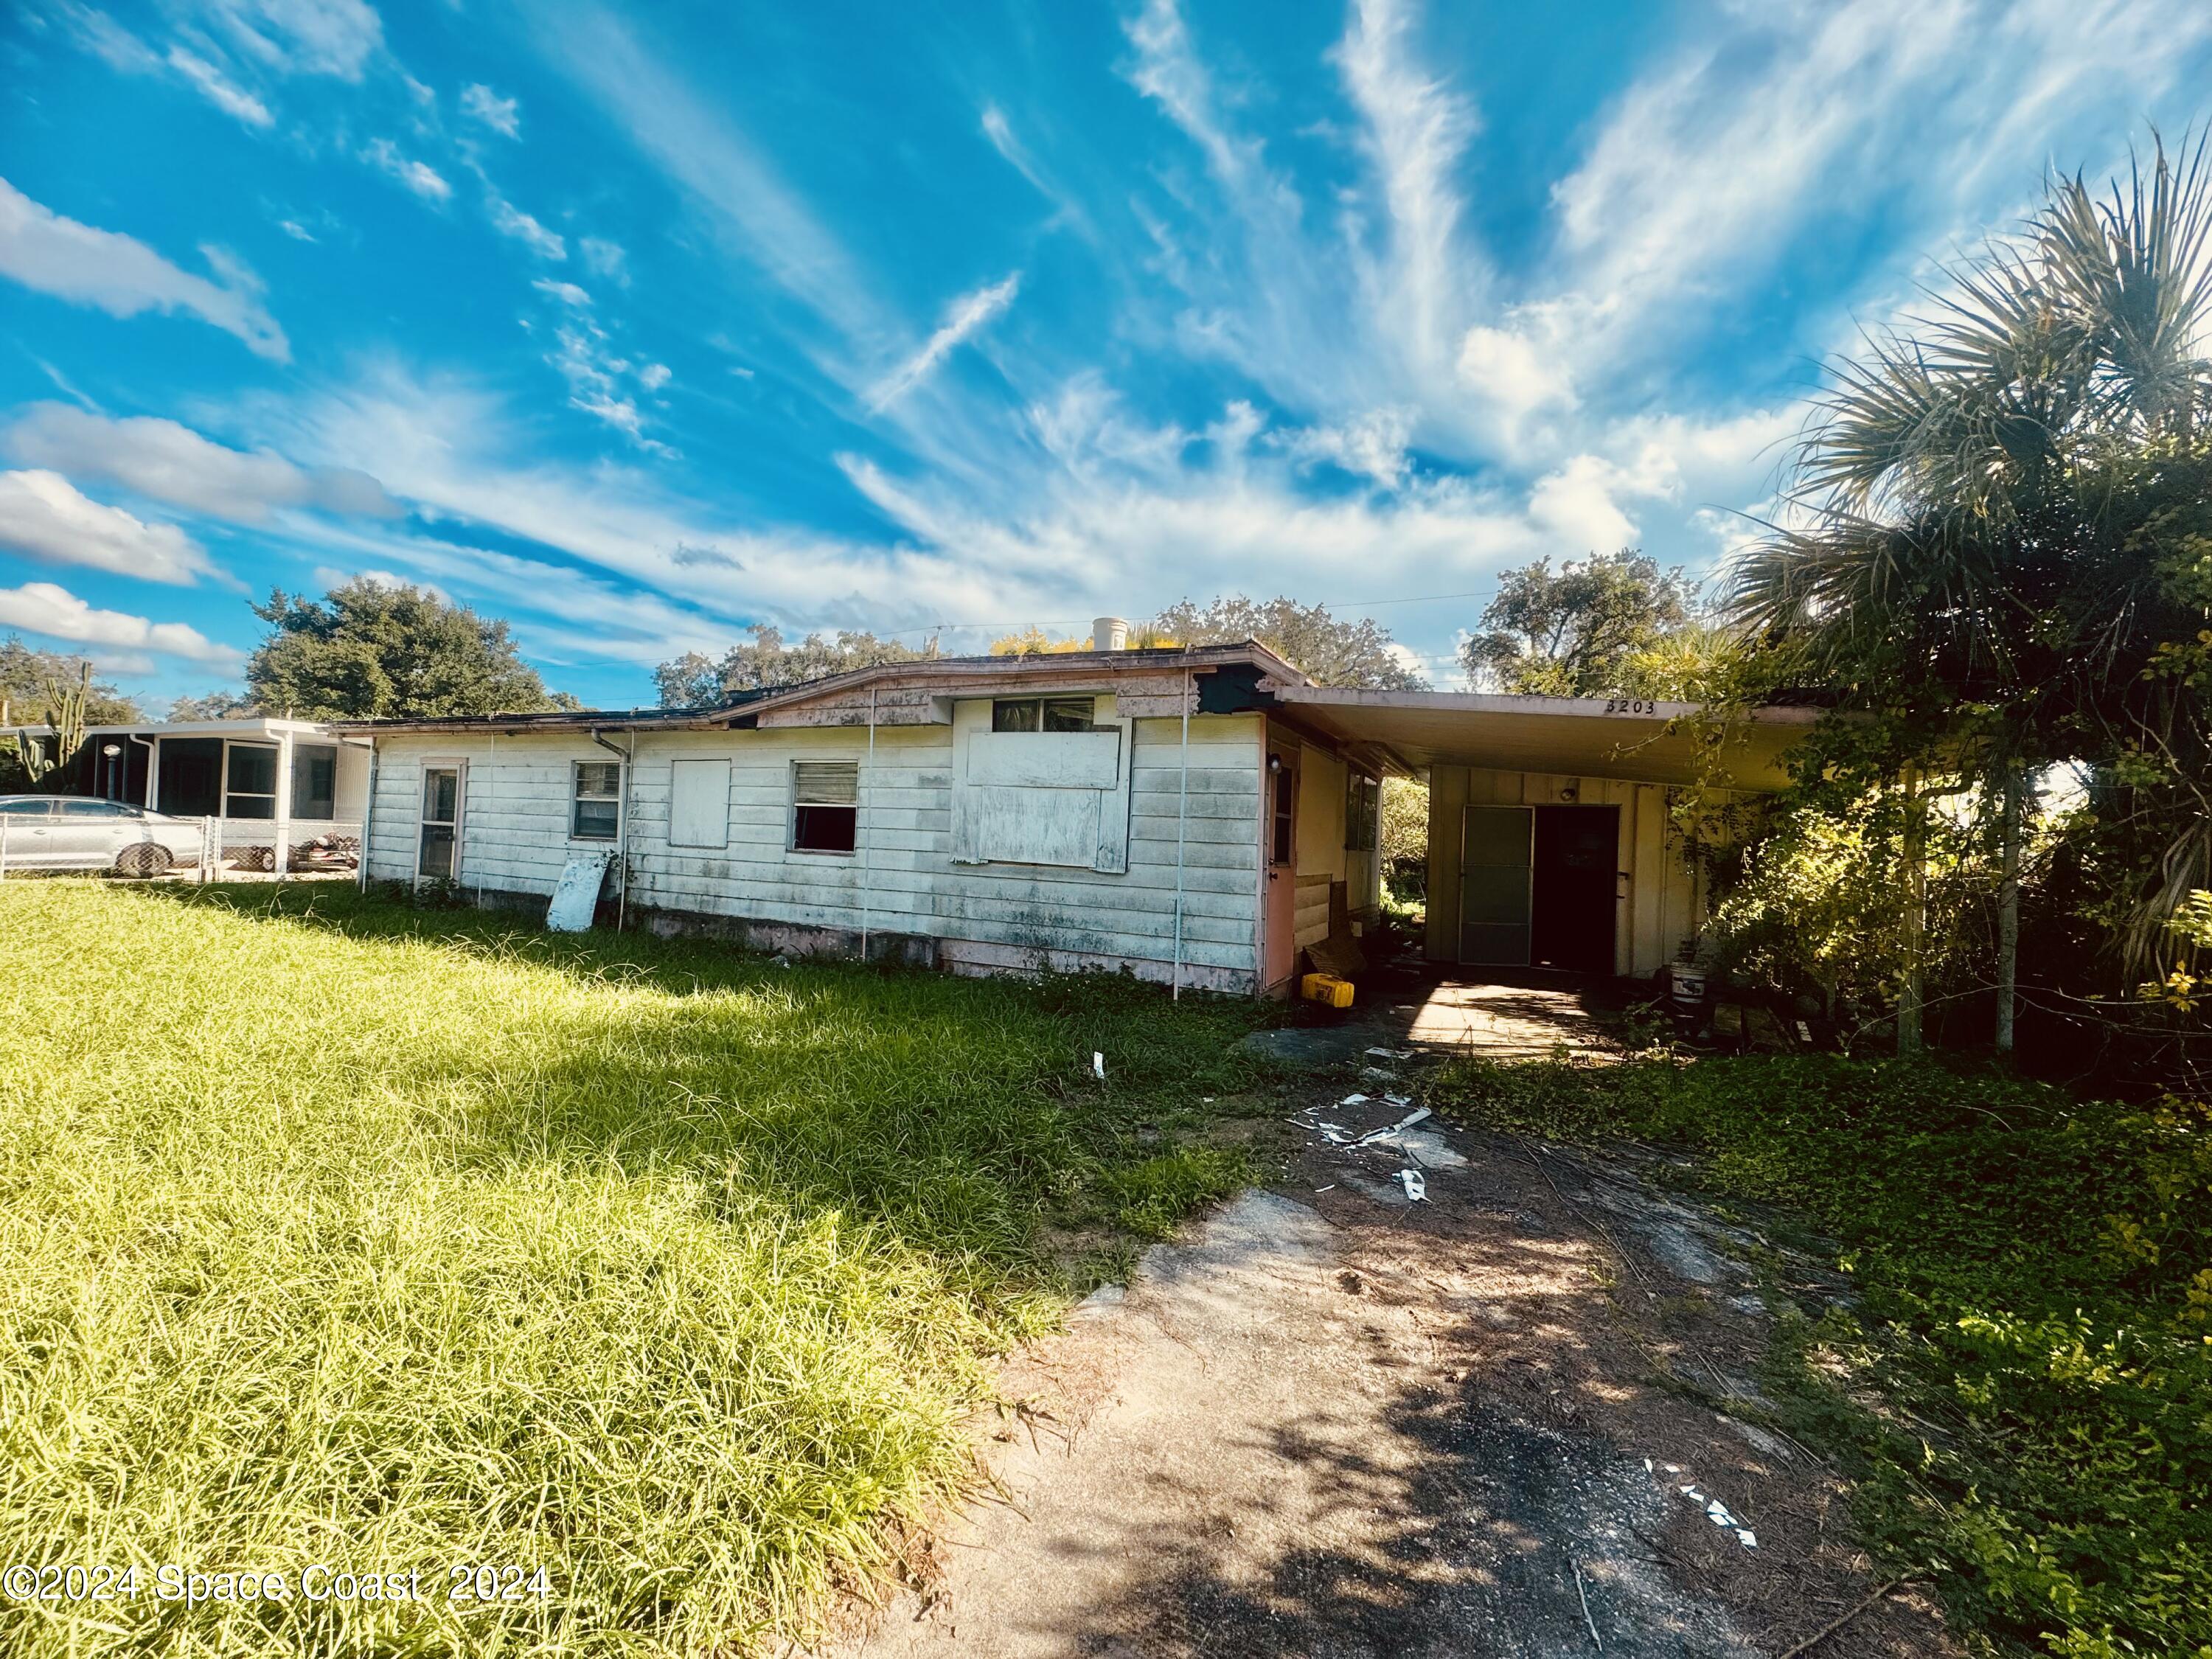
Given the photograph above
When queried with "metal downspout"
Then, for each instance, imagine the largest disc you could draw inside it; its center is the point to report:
(1182, 814)
(621, 843)
(867, 785)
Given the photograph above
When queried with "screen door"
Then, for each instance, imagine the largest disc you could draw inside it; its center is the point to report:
(1496, 848)
(438, 858)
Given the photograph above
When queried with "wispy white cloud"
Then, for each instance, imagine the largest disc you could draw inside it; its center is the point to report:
(488, 109)
(123, 276)
(767, 224)
(233, 52)
(509, 220)
(219, 90)
(45, 608)
(603, 383)
(43, 517)
(1415, 130)
(567, 293)
(166, 462)
(1709, 167)
(420, 177)
(1016, 154)
(298, 36)
(1371, 446)
(962, 320)
(606, 258)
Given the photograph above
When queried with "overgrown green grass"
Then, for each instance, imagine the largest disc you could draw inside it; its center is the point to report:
(335, 1232)
(2025, 1391)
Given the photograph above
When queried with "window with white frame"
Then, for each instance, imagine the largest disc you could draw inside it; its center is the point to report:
(825, 805)
(250, 778)
(1044, 714)
(595, 804)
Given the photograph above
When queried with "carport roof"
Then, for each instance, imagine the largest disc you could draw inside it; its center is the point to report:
(1411, 731)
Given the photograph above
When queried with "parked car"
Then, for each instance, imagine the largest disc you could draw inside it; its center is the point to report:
(78, 832)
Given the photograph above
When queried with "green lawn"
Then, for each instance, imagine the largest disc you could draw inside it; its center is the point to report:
(2022, 1390)
(336, 1232)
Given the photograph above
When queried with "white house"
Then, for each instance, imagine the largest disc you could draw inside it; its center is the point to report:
(1197, 816)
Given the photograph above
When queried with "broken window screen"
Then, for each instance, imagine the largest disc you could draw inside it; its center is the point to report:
(596, 810)
(825, 805)
(1044, 714)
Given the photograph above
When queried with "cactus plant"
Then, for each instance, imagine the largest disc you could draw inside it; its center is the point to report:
(43, 757)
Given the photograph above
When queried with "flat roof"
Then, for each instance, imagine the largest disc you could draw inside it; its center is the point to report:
(1630, 739)
(243, 725)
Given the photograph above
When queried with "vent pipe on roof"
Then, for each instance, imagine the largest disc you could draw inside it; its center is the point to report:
(1109, 634)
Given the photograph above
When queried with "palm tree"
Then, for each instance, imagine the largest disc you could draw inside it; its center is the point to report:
(1940, 549)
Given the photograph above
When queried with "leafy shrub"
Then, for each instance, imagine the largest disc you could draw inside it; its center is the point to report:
(2035, 1280)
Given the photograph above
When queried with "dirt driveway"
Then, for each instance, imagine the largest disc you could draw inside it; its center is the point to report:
(1335, 1422)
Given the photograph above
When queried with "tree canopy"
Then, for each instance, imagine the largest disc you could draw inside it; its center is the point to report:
(1336, 651)
(696, 680)
(370, 651)
(27, 675)
(29, 678)
(1994, 551)
(1587, 629)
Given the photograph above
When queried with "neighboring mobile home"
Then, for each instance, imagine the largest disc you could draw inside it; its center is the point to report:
(1197, 816)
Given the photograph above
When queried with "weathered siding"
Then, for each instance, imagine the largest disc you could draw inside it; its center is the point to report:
(902, 878)
(1662, 903)
(1323, 859)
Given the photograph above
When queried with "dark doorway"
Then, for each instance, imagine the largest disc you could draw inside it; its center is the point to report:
(1576, 854)
(190, 782)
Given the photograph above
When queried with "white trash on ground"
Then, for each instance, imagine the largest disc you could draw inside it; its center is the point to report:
(1719, 1513)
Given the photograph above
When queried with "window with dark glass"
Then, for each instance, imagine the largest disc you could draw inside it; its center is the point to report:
(314, 782)
(825, 799)
(1362, 804)
(1284, 815)
(249, 781)
(595, 811)
(1044, 714)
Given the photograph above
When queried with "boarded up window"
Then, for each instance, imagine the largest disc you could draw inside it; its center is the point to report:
(1038, 797)
(699, 804)
(1042, 781)
(825, 797)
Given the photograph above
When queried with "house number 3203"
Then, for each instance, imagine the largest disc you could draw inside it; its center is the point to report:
(1630, 706)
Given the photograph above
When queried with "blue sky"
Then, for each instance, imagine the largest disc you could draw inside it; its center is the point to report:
(637, 324)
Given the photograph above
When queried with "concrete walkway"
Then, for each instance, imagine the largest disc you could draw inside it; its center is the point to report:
(1527, 1015)
(1534, 1017)
(1333, 1422)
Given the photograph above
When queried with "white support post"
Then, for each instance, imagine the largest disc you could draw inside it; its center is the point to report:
(3, 846)
(283, 858)
(1182, 816)
(368, 818)
(863, 791)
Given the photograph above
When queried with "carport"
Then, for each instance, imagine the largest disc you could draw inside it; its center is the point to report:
(1550, 840)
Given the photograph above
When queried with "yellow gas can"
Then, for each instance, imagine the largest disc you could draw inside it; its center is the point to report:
(1326, 989)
